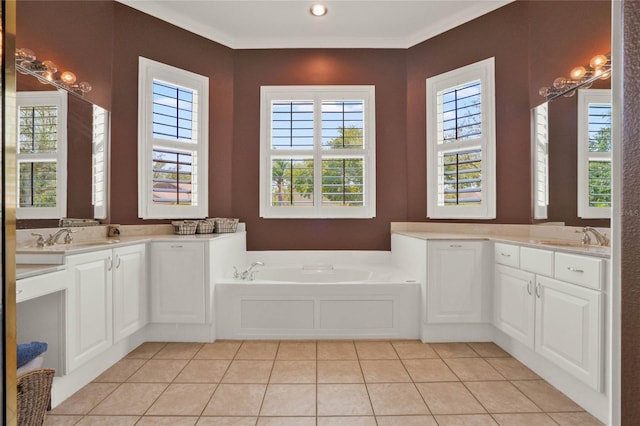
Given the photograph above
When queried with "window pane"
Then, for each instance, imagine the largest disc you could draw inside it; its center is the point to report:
(599, 127)
(342, 124)
(343, 182)
(172, 177)
(292, 182)
(461, 177)
(600, 183)
(460, 117)
(173, 116)
(37, 183)
(38, 131)
(292, 125)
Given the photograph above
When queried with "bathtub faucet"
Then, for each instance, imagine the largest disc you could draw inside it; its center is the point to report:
(247, 274)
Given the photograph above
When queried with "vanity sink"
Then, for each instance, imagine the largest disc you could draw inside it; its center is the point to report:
(562, 243)
(92, 243)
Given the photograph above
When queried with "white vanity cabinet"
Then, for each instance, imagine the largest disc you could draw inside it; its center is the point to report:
(130, 306)
(89, 306)
(456, 284)
(560, 320)
(178, 282)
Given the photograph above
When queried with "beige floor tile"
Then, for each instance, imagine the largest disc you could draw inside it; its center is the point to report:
(120, 371)
(262, 350)
(129, 399)
(340, 350)
(203, 371)
(449, 398)
(414, 350)
(235, 400)
(429, 370)
(546, 396)
(158, 371)
(347, 421)
(454, 350)
(286, 421)
(473, 369)
(384, 371)
(178, 350)
(108, 421)
(146, 350)
(218, 350)
(289, 400)
(389, 399)
(85, 399)
(512, 369)
(375, 350)
(466, 420)
(501, 397)
(406, 421)
(293, 351)
(343, 400)
(529, 419)
(182, 400)
(227, 421)
(293, 372)
(339, 372)
(51, 420)
(488, 349)
(246, 371)
(575, 419)
(167, 421)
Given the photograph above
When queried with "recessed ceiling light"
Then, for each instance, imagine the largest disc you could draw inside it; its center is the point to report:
(318, 10)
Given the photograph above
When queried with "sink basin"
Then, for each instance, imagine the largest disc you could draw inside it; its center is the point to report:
(90, 243)
(564, 243)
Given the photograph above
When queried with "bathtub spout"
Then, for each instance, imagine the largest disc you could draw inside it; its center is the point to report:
(247, 274)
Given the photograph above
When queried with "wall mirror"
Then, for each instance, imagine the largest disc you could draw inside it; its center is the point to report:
(63, 146)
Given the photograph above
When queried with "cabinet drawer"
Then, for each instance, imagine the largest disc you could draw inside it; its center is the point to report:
(507, 254)
(581, 270)
(40, 285)
(536, 261)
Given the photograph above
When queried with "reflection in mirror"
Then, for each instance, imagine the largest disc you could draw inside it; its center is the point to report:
(85, 171)
(540, 138)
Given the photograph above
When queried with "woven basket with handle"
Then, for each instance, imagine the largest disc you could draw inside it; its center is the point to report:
(34, 396)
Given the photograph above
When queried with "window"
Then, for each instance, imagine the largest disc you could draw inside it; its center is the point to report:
(172, 142)
(317, 154)
(42, 155)
(594, 153)
(461, 143)
(540, 135)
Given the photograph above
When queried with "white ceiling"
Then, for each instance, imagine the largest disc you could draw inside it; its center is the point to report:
(261, 24)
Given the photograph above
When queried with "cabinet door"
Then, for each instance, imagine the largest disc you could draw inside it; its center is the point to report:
(455, 282)
(569, 328)
(178, 283)
(514, 303)
(90, 307)
(129, 290)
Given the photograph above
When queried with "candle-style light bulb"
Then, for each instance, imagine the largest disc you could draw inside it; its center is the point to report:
(68, 77)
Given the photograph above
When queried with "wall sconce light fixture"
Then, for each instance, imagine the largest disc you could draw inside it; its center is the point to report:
(47, 72)
(599, 68)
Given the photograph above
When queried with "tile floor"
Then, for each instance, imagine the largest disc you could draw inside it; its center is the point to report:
(321, 383)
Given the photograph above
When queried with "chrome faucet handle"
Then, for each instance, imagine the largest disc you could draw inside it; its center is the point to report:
(41, 242)
(68, 239)
(236, 274)
(584, 238)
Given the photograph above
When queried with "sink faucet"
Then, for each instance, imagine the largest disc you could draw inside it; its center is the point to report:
(602, 239)
(53, 239)
(247, 274)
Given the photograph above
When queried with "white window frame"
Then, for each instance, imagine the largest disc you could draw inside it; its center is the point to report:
(148, 72)
(483, 71)
(586, 97)
(540, 154)
(44, 98)
(317, 94)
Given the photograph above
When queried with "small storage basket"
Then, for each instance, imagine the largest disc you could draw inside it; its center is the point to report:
(184, 227)
(206, 226)
(225, 225)
(34, 395)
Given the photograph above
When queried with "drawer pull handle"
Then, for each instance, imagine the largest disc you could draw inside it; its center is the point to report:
(176, 246)
(455, 245)
(19, 292)
(538, 290)
(505, 255)
(119, 261)
(575, 270)
(110, 262)
(529, 285)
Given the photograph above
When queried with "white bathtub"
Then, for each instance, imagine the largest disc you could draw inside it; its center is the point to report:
(317, 298)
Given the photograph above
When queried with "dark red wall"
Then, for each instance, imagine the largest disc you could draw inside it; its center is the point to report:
(383, 68)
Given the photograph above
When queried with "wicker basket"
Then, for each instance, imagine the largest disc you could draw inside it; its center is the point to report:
(34, 396)
(206, 226)
(184, 227)
(225, 225)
